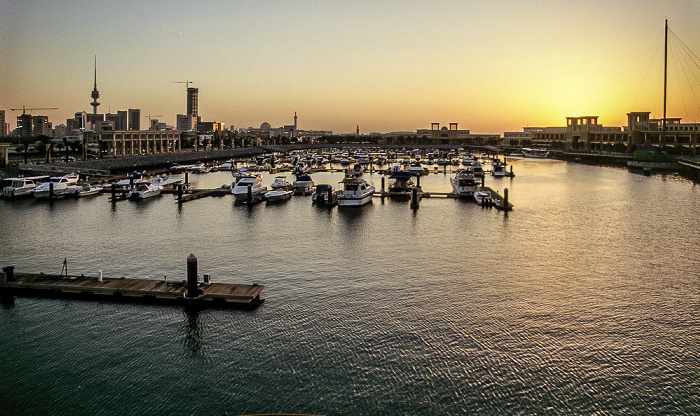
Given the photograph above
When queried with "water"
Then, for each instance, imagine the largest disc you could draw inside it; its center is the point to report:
(583, 300)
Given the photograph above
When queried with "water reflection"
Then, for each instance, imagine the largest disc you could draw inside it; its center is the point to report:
(193, 330)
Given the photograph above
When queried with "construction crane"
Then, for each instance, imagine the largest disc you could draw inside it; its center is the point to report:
(152, 116)
(24, 109)
(187, 83)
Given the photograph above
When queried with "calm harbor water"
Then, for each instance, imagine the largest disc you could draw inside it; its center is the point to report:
(583, 300)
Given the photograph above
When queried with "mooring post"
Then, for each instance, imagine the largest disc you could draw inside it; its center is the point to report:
(50, 189)
(114, 191)
(418, 180)
(250, 194)
(329, 197)
(511, 171)
(483, 181)
(414, 198)
(131, 182)
(9, 273)
(383, 184)
(191, 276)
(187, 177)
(505, 199)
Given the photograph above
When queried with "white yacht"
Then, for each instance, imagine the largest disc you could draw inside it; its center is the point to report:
(278, 195)
(477, 169)
(254, 183)
(87, 189)
(464, 184)
(356, 192)
(21, 187)
(483, 198)
(62, 186)
(142, 190)
(304, 185)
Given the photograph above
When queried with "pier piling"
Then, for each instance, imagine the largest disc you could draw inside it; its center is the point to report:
(191, 276)
(505, 200)
(51, 190)
(383, 184)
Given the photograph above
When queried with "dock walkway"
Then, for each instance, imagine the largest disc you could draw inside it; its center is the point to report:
(211, 295)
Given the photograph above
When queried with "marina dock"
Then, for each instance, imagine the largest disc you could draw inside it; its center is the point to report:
(202, 294)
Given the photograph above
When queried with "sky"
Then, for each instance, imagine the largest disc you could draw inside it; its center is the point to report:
(490, 66)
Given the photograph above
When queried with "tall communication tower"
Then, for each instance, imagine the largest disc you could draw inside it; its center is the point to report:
(95, 93)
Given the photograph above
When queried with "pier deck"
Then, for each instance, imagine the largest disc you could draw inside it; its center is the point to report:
(213, 294)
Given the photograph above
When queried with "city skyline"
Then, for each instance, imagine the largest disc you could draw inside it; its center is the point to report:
(386, 67)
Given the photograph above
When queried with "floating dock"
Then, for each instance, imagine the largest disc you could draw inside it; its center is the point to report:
(202, 294)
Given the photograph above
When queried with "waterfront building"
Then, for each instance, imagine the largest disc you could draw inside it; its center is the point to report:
(586, 133)
(131, 142)
(517, 138)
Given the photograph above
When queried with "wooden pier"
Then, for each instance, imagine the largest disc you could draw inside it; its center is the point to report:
(217, 295)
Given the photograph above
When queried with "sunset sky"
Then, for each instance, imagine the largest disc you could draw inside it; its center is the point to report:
(491, 66)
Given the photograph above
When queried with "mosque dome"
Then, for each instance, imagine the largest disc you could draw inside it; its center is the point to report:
(265, 126)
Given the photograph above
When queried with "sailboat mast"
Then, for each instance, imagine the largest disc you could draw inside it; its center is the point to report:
(663, 122)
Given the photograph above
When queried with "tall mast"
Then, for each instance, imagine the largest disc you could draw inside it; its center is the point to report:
(663, 123)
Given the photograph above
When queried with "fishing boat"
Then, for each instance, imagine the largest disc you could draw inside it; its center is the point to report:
(356, 192)
(464, 184)
(324, 195)
(21, 187)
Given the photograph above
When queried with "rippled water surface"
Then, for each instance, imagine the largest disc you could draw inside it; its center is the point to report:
(583, 300)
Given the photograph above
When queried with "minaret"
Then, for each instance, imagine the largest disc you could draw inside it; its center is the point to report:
(357, 131)
(294, 134)
(95, 93)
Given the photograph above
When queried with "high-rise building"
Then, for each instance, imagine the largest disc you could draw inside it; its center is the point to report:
(186, 122)
(25, 127)
(192, 101)
(41, 126)
(3, 129)
(134, 119)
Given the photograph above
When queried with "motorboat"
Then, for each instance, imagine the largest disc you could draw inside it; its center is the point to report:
(477, 169)
(304, 185)
(535, 153)
(200, 168)
(356, 170)
(281, 184)
(416, 169)
(87, 189)
(228, 165)
(21, 187)
(356, 192)
(483, 198)
(402, 184)
(278, 195)
(498, 168)
(242, 173)
(249, 188)
(164, 182)
(464, 184)
(126, 184)
(57, 187)
(324, 194)
(143, 189)
(468, 159)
